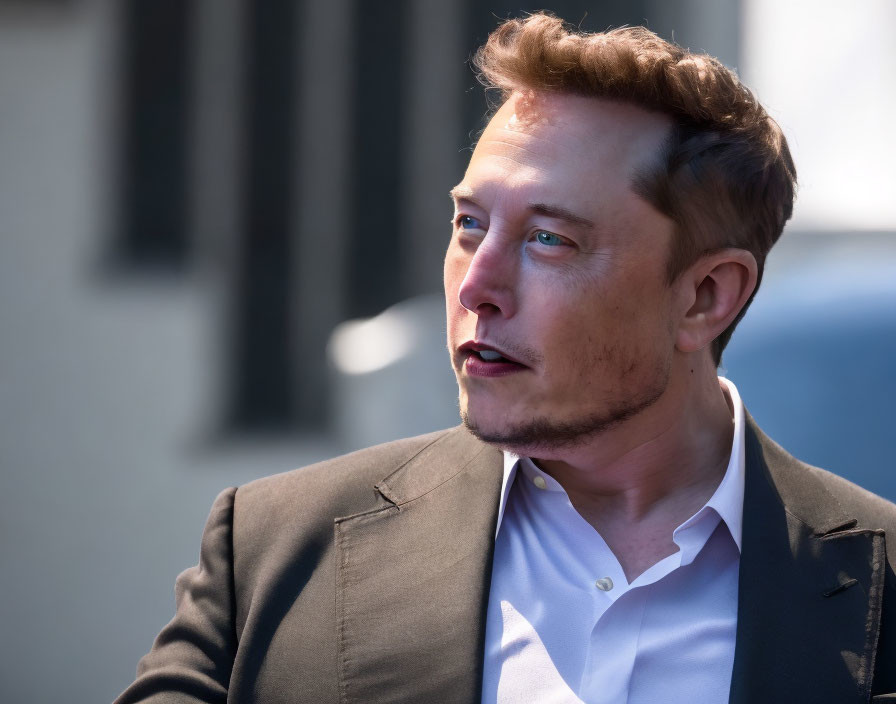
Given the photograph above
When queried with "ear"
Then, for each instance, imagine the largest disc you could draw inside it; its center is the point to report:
(713, 291)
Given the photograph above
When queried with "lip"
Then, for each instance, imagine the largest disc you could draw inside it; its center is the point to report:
(474, 365)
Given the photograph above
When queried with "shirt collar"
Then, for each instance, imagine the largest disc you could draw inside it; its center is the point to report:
(727, 500)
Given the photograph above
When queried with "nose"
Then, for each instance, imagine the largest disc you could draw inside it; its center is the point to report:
(488, 286)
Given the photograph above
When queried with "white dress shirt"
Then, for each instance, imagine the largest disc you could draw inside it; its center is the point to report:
(564, 624)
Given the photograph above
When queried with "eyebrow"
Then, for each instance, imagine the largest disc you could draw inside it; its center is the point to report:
(559, 213)
(461, 193)
(556, 212)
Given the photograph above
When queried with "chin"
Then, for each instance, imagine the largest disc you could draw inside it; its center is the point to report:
(540, 435)
(535, 435)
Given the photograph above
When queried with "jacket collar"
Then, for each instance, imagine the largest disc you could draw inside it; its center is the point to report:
(810, 587)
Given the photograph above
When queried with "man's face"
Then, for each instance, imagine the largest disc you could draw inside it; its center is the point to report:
(559, 267)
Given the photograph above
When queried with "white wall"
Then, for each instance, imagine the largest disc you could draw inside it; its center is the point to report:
(107, 468)
(826, 69)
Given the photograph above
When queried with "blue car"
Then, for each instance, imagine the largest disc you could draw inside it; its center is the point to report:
(814, 357)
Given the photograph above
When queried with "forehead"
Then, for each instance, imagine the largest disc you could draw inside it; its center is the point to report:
(569, 144)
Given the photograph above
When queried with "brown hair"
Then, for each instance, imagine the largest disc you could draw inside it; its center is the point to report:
(725, 176)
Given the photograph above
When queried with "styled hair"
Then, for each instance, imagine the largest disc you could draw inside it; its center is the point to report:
(725, 176)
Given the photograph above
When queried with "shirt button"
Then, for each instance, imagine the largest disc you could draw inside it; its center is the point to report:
(539, 481)
(605, 584)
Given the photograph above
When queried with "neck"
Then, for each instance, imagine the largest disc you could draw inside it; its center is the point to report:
(661, 465)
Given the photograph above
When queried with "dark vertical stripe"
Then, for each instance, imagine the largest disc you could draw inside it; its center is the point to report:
(264, 389)
(155, 173)
(375, 258)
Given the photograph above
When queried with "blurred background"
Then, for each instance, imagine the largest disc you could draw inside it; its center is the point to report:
(221, 232)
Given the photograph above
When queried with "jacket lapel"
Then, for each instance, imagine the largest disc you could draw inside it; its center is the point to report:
(413, 578)
(810, 587)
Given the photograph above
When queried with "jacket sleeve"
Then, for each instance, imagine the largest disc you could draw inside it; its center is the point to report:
(192, 658)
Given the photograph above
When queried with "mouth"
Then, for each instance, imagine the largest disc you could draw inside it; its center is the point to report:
(481, 359)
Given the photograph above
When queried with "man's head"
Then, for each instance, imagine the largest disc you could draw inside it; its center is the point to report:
(725, 175)
(612, 224)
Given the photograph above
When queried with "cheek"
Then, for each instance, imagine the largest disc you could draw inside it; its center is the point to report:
(566, 320)
(604, 332)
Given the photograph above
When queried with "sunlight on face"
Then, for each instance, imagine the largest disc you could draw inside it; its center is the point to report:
(557, 266)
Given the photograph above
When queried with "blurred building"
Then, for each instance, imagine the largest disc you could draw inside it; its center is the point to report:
(194, 194)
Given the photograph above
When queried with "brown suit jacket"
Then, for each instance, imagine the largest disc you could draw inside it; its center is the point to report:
(366, 579)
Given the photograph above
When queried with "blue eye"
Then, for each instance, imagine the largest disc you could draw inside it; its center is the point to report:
(548, 238)
(467, 222)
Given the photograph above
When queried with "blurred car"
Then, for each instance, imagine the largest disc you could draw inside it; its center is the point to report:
(814, 357)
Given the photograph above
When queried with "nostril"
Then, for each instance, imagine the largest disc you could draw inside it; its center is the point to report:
(485, 308)
(479, 302)
(484, 300)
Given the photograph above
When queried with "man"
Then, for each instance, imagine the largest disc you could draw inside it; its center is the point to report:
(610, 525)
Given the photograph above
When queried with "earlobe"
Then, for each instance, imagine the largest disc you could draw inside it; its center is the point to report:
(718, 285)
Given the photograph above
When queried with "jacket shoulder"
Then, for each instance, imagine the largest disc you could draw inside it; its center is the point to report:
(871, 511)
(817, 497)
(283, 525)
(808, 491)
(339, 486)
